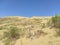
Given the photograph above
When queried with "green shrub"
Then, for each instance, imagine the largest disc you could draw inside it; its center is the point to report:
(56, 21)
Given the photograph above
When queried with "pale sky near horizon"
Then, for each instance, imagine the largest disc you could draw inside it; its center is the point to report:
(29, 8)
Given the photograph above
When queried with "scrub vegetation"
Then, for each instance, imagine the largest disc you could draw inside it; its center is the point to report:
(15, 28)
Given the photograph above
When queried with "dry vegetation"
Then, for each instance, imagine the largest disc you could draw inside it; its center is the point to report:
(30, 31)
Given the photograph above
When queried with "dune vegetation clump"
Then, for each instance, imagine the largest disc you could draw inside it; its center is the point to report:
(56, 21)
(11, 36)
(56, 24)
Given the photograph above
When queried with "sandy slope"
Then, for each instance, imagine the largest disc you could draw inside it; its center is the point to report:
(48, 39)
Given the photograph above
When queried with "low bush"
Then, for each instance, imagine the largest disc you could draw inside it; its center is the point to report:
(56, 21)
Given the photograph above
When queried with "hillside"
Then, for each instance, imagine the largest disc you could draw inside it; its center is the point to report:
(37, 30)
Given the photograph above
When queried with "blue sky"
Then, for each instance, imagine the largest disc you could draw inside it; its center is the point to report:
(29, 7)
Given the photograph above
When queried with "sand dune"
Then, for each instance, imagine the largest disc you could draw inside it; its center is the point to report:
(34, 23)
